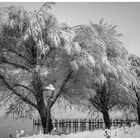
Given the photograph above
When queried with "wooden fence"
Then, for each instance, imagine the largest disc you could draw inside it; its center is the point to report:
(96, 123)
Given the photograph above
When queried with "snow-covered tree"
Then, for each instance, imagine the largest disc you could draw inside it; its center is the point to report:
(135, 66)
(32, 48)
(106, 82)
(37, 51)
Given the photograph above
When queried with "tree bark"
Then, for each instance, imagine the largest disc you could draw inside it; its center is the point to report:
(106, 119)
(138, 104)
(43, 107)
(45, 116)
(138, 113)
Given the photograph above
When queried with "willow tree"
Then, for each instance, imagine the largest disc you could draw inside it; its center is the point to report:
(36, 51)
(106, 83)
(114, 90)
(31, 48)
(135, 67)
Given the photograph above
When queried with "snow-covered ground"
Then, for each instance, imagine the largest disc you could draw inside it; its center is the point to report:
(123, 132)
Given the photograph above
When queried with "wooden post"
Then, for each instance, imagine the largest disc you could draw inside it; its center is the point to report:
(73, 122)
(93, 123)
(69, 122)
(85, 124)
(128, 122)
(98, 123)
(62, 122)
(56, 123)
(89, 125)
(101, 123)
(117, 122)
(69, 125)
(59, 122)
(80, 123)
(76, 122)
(85, 121)
(113, 122)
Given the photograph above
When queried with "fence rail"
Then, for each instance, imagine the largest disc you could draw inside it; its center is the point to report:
(89, 122)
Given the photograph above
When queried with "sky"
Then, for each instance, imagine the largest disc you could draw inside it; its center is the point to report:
(125, 15)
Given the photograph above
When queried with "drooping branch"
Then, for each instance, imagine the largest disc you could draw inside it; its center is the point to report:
(9, 48)
(94, 104)
(16, 65)
(25, 99)
(19, 54)
(23, 86)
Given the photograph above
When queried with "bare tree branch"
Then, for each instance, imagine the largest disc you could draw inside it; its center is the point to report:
(109, 107)
(19, 85)
(4, 45)
(94, 104)
(17, 65)
(61, 88)
(25, 99)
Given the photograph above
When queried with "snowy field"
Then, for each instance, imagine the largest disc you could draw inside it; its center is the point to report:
(123, 132)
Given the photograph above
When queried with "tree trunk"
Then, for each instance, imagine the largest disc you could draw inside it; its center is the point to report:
(43, 107)
(138, 113)
(46, 120)
(138, 103)
(106, 119)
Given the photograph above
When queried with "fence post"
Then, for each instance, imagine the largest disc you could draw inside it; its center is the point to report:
(97, 123)
(73, 122)
(80, 123)
(117, 122)
(55, 123)
(85, 124)
(129, 123)
(63, 122)
(85, 121)
(101, 124)
(89, 124)
(70, 122)
(113, 122)
(93, 123)
(77, 122)
(59, 122)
